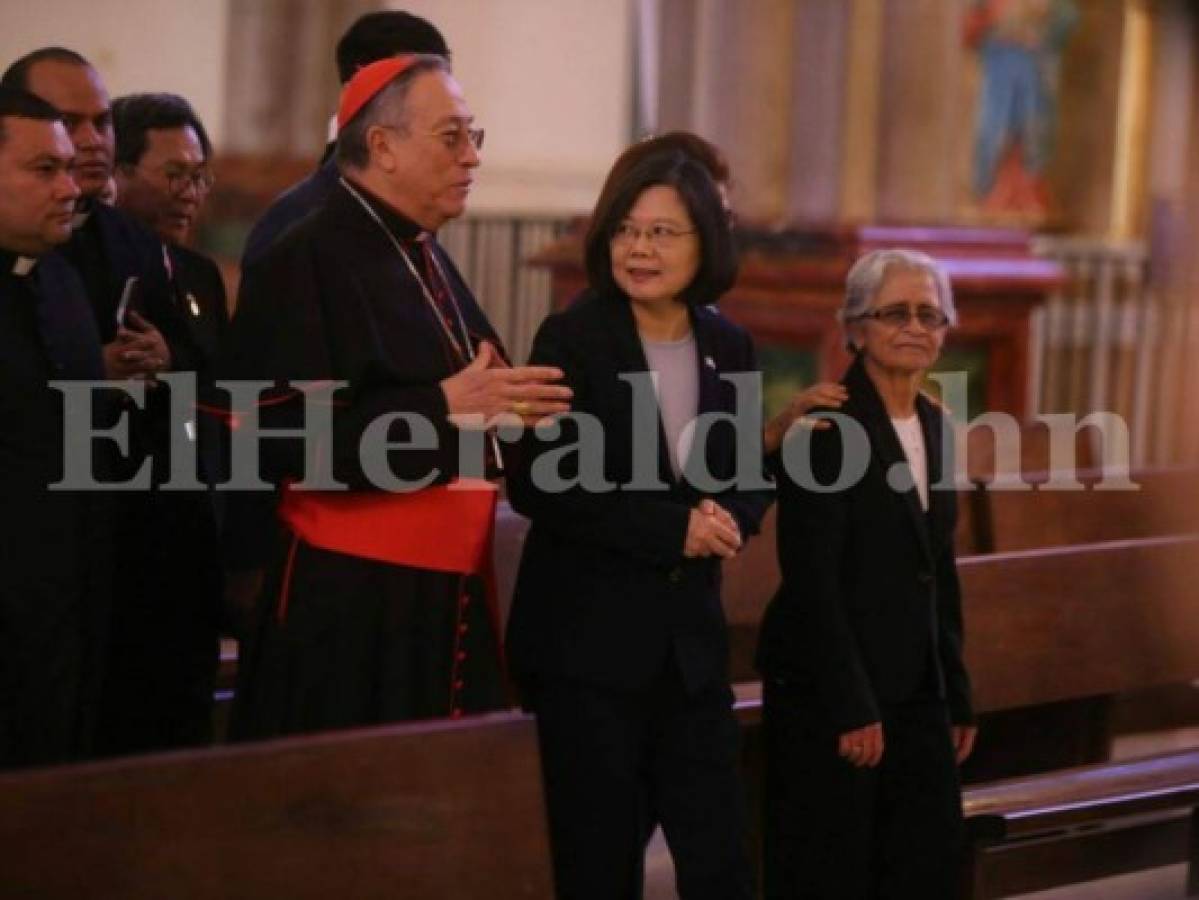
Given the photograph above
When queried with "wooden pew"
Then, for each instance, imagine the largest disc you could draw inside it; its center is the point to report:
(1166, 502)
(439, 809)
(1042, 831)
(1068, 622)
(1031, 834)
(1048, 627)
(1063, 623)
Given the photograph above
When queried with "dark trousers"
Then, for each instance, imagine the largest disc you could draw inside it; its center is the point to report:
(837, 832)
(616, 763)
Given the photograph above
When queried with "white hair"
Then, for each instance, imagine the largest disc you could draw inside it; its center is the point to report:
(866, 277)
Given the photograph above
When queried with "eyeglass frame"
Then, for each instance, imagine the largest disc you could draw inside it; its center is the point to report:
(627, 234)
(474, 136)
(200, 178)
(909, 314)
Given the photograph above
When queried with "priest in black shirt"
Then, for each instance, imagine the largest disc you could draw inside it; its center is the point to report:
(158, 692)
(54, 545)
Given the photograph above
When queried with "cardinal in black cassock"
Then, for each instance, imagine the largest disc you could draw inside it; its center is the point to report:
(353, 627)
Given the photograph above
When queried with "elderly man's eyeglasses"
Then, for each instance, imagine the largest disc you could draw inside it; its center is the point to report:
(456, 139)
(178, 180)
(659, 235)
(898, 315)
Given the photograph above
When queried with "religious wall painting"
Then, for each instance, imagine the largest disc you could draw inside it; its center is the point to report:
(1018, 46)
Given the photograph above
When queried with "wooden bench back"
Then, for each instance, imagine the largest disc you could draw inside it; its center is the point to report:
(1070, 622)
(1167, 502)
(446, 809)
(1064, 623)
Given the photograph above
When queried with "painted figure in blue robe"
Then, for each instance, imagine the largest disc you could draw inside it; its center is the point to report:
(1020, 43)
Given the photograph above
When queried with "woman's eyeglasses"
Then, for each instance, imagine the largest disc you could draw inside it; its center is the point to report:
(659, 235)
(900, 314)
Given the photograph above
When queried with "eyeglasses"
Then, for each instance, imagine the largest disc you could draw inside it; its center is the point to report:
(178, 180)
(455, 139)
(659, 235)
(898, 315)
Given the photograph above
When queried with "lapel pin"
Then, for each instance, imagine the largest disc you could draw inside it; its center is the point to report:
(710, 363)
(193, 305)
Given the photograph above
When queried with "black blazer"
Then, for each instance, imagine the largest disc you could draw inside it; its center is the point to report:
(604, 593)
(288, 208)
(869, 612)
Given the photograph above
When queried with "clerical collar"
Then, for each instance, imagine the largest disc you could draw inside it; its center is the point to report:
(83, 211)
(16, 264)
(397, 223)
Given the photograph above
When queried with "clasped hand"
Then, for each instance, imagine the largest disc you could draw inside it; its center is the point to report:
(711, 531)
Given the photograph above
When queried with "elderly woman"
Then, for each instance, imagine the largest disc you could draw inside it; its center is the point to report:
(617, 635)
(867, 701)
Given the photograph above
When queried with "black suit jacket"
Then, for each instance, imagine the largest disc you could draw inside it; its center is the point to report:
(869, 612)
(604, 593)
(297, 202)
(199, 295)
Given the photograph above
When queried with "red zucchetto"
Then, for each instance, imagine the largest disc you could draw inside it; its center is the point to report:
(367, 82)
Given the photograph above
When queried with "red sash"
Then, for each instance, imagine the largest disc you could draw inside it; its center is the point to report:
(447, 528)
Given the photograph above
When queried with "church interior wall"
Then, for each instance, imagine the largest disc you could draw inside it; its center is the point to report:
(138, 45)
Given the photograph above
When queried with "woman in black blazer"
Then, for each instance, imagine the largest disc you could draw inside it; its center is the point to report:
(867, 701)
(617, 636)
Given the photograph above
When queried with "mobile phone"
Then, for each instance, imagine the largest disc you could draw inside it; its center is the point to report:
(126, 300)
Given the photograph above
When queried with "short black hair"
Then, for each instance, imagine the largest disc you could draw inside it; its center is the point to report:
(381, 35)
(16, 103)
(17, 75)
(696, 188)
(135, 114)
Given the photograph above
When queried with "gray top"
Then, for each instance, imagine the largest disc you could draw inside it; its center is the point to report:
(676, 367)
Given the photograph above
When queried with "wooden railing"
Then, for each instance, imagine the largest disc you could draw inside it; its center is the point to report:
(491, 251)
(1104, 342)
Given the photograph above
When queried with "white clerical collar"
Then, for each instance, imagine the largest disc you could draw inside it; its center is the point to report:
(23, 265)
(331, 131)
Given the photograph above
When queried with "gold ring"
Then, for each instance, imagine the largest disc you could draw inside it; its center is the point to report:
(522, 407)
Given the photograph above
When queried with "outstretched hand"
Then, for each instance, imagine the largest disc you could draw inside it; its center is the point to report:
(489, 388)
